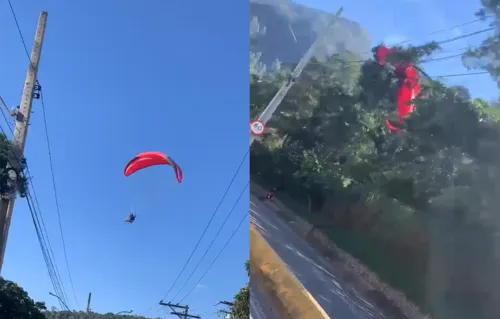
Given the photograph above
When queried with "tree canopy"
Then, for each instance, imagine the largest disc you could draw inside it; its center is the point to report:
(486, 55)
(12, 180)
(409, 204)
(241, 302)
(15, 302)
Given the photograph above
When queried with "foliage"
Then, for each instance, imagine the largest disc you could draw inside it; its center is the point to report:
(486, 55)
(408, 205)
(241, 303)
(15, 302)
(12, 180)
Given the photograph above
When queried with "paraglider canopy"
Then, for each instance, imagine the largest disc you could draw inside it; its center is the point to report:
(382, 53)
(148, 159)
(409, 87)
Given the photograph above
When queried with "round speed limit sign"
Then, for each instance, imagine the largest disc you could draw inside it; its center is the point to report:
(257, 128)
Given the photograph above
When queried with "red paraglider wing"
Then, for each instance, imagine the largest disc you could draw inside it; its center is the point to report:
(148, 159)
(409, 90)
(382, 54)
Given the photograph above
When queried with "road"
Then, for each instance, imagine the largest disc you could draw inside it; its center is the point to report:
(337, 298)
(260, 308)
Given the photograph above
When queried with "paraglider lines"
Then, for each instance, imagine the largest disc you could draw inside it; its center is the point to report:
(208, 225)
(213, 240)
(56, 198)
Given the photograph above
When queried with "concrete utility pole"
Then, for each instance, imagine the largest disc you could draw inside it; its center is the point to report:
(88, 302)
(31, 90)
(278, 98)
(182, 315)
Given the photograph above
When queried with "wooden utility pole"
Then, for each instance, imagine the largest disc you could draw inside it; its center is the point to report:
(31, 89)
(230, 305)
(182, 315)
(88, 302)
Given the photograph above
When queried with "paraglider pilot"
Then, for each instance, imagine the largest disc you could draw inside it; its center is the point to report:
(131, 218)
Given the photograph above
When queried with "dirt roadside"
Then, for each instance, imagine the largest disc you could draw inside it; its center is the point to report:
(393, 303)
(290, 299)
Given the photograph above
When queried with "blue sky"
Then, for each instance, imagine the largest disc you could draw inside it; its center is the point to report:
(393, 21)
(120, 78)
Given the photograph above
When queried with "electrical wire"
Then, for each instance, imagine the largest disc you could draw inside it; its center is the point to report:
(48, 255)
(56, 198)
(43, 239)
(213, 240)
(460, 37)
(216, 257)
(12, 11)
(53, 273)
(208, 225)
(456, 26)
(35, 197)
(348, 64)
(458, 74)
(50, 156)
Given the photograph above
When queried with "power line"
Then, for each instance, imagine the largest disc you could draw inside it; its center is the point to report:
(49, 260)
(356, 62)
(213, 240)
(50, 156)
(464, 36)
(42, 236)
(19, 30)
(56, 198)
(443, 58)
(216, 257)
(456, 26)
(208, 224)
(458, 74)
(449, 29)
(48, 254)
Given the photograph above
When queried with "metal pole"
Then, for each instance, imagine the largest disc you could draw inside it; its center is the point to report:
(266, 115)
(88, 302)
(60, 299)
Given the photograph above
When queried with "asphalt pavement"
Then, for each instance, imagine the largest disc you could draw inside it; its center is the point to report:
(338, 299)
(260, 308)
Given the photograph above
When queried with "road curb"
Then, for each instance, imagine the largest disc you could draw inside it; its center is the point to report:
(289, 296)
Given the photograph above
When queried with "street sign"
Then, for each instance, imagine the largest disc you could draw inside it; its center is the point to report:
(257, 128)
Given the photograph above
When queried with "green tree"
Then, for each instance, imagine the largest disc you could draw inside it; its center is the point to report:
(12, 180)
(16, 304)
(486, 55)
(241, 302)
